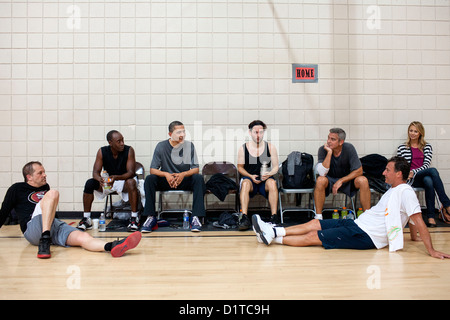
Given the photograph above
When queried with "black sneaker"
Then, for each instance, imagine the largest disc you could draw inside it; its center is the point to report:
(133, 225)
(244, 223)
(275, 219)
(119, 247)
(84, 224)
(44, 247)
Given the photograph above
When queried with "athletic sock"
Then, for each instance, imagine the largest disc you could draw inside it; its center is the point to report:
(46, 233)
(280, 231)
(278, 240)
(134, 214)
(108, 246)
(87, 214)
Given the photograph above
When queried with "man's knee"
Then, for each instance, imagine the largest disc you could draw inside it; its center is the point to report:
(271, 185)
(91, 185)
(151, 179)
(130, 184)
(52, 195)
(321, 183)
(246, 186)
(361, 182)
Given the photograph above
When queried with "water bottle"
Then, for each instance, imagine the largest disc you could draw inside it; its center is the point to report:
(344, 213)
(335, 214)
(264, 169)
(102, 222)
(186, 220)
(105, 177)
(360, 211)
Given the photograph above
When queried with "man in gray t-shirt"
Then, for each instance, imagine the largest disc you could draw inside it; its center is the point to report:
(174, 167)
(340, 170)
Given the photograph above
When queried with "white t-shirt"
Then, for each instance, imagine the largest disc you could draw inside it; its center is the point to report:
(373, 223)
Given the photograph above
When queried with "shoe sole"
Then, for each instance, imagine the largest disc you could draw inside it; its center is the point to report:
(258, 229)
(130, 242)
(44, 256)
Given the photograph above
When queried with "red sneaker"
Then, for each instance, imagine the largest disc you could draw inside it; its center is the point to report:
(119, 247)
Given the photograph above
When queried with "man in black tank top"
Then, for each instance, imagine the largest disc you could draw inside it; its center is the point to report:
(119, 162)
(251, 157)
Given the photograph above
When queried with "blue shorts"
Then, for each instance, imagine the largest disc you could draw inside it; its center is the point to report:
(258, 188)
(343, 234)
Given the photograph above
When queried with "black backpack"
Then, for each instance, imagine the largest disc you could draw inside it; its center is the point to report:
(303, 176)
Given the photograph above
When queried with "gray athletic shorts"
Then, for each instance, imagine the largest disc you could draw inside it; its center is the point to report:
(59, 231)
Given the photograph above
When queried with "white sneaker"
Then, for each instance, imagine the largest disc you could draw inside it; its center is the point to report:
(264, 230)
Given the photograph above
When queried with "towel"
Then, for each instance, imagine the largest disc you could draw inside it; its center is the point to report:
(393, 219)
(294, 159)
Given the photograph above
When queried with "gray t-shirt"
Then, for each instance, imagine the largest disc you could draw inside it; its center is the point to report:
(341, 166)
(174, 160)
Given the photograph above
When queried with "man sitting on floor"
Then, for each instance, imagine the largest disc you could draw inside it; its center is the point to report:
(378, 227)
(35, 204)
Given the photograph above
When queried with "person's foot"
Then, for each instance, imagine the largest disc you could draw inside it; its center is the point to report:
(431, 223)
(84, 224)
(244, 223)
(44, 247)
(119, 247)
(263, 229)
(133, 225)
(196, 226)
(149, 224)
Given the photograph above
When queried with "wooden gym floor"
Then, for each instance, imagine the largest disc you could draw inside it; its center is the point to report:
(221, 265)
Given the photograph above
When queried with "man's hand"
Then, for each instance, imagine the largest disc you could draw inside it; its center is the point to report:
(439, 255)
(178, 178)
(336, 186)
(254, 178)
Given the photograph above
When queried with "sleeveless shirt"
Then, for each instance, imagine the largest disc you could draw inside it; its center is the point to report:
(253, 164)
(115, 166)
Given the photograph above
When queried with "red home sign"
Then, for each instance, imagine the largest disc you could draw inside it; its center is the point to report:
(304, 73)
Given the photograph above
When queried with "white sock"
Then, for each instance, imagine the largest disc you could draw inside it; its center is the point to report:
(280, 231)
(87, 214)
(278, 240)
(318, 216)
(134, 214)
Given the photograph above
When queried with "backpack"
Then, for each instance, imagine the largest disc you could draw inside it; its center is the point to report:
(373, 168)
(301, 164)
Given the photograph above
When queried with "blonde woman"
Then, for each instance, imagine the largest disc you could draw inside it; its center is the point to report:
(419, 154)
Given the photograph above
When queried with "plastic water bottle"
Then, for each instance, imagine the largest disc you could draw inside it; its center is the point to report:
(344, 213)
(102, 222)
(335, 214)
(105, 177)
(186, 220)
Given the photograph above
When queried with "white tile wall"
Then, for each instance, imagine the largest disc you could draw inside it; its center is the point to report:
(72, 70)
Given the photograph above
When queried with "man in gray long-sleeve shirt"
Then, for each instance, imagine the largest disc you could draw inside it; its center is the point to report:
(174, 167)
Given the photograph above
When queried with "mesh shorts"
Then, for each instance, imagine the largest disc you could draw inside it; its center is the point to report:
(59, 231)
(343, 234)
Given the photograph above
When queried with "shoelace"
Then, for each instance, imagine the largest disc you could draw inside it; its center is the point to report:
(148, 221)
(196, 222)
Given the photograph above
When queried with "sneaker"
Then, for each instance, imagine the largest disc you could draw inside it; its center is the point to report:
(149, 224)
(44, 247)
(265, 230)
(85, 224)
(258, 237)
(119, 247)
(196, 226)
(275, 219)
(133, 225)
(244, 223)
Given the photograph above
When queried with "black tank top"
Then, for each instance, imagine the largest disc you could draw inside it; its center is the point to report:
(115, 166)
(253, 164)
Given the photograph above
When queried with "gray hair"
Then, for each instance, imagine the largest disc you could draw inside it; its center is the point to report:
(340, 132)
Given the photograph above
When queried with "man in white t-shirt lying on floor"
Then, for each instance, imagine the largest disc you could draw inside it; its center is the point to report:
(380, 226)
